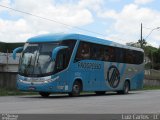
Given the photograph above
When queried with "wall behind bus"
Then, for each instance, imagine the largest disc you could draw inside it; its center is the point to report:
(7, 63)
(151, 83)
(8, 80)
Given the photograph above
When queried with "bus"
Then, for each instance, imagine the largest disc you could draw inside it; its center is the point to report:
(72, 63)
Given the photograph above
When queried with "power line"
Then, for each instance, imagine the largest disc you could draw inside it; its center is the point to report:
(148, 28)
(27, 13)
(48, 19)
(152, 31)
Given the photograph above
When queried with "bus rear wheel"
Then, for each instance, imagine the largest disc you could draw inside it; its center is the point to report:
(76, 89)
(44, 94)
(126, 88)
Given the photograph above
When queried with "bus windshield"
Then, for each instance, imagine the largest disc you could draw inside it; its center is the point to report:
(36, 59)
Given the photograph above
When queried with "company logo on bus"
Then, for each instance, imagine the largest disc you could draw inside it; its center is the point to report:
(113, 76)
(87, 65)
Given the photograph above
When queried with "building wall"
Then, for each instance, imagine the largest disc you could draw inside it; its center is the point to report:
(7, 63)
(152, 83)
(8, 80)
(8, 70)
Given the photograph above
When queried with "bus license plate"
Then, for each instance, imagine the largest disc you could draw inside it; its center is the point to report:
(32, 88)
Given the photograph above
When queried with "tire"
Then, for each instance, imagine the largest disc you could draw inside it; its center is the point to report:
(126, 88)
(76, 89)
(44, 94)
(100, 92)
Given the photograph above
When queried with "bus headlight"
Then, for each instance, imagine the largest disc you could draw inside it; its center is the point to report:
(51, 80)
(41, 80)
(20, 80)
(48, 81)
(45, 81)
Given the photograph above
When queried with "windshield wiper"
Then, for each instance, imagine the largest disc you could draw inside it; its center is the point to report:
(28, 66)
(38, 65)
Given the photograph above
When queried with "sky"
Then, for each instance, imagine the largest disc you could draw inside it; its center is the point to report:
(116, 20)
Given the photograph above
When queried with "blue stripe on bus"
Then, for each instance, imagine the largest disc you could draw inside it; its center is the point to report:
(123, 69)
(118, 65)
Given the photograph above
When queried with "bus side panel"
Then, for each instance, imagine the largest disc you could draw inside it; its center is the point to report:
(131, 72)
(91, 74)
(135, 74)
(138, 77)
(80, 73)
(109, 75)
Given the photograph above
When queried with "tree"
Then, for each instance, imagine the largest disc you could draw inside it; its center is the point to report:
(149, 50)
(133, 44)
(156, 59)
(142, 43)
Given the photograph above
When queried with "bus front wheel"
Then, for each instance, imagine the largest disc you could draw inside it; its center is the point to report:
(44, 94)
(76, 89)
(126, 88)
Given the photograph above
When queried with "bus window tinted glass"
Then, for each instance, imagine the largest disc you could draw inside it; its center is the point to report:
(133, 57)
(83, 51)
(99, 52)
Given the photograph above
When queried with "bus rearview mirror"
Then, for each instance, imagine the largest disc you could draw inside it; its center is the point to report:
(56, 50)
(19, 49)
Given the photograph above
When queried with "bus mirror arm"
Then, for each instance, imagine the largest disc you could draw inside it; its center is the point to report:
(19, 49)
(56, 50)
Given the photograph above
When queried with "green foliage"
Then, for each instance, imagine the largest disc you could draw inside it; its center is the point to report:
(148, 65)
(151, 87)
(149, 50)
(155, 55)
(156, 66)
(142, 43)
(133, 44)
(12, 92)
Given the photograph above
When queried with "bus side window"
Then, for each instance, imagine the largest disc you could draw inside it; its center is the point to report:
(128, 57)
(112, 57)
(70, 44)
(83, 51)
(137, 57)
(120, 55)
(94, 52)
(98, 52)
(106, 54)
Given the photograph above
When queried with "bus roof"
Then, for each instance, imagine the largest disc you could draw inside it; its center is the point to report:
(60, 37)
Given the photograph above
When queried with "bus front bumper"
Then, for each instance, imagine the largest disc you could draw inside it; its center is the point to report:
(43, 85)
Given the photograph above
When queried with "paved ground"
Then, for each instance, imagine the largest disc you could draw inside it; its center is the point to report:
(135, 102)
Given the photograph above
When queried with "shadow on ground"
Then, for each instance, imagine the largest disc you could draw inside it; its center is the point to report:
(59, 96)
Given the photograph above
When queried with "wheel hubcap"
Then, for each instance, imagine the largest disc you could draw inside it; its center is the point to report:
(126, 88)
(76, 88)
